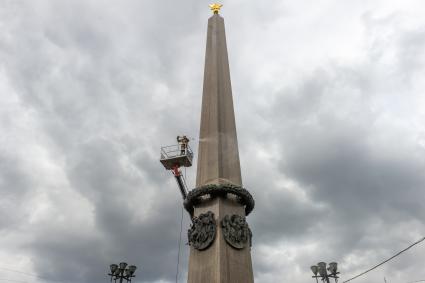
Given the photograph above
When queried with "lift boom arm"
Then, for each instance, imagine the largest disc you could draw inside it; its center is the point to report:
(180, 181)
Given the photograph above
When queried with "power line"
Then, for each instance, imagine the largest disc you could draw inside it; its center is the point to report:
(180, 243)
(385, 261)
(180, 236)
(21, 272)
(27, 274)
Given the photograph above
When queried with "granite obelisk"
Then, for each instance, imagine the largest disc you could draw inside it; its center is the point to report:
(220, 237)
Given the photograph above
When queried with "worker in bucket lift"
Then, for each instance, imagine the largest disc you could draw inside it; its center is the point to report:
(183, 141)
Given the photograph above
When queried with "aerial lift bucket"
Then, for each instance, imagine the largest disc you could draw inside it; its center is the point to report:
(175, 156)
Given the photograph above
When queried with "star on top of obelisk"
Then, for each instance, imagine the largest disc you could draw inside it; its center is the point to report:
(215, 8)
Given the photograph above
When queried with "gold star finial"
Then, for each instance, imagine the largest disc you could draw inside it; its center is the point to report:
(215, 8)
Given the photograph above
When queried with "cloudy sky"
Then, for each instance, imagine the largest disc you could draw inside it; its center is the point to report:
(330, 112)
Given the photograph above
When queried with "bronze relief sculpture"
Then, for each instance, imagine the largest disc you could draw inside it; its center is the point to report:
(236, 231)
(202, 231)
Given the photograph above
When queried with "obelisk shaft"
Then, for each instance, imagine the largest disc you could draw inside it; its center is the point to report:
(218, 156)
(218, 163)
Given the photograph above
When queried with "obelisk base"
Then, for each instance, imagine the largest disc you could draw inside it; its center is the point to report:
(220, 263)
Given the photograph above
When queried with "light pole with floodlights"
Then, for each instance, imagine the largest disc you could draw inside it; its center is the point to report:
(121, 272)
(320, 271)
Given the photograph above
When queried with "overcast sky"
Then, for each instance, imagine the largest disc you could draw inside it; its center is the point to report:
(330, 111)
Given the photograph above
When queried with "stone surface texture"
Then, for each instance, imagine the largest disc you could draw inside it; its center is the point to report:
(218, 156)
(218, 163)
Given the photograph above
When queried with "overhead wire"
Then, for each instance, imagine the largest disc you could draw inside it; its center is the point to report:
(385, 261)
(21, 272)
(180, 235)
(179, 246)
(27, 274)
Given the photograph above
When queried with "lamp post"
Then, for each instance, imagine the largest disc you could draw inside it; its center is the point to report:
(121, 272)
(320, 271)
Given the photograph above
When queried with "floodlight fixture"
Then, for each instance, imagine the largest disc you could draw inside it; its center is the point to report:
(314, 269)
(132, 269)
(123, 265)
(113, 267)
(333, 268)
(122, 272)
(321, 271)
(322, 268)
